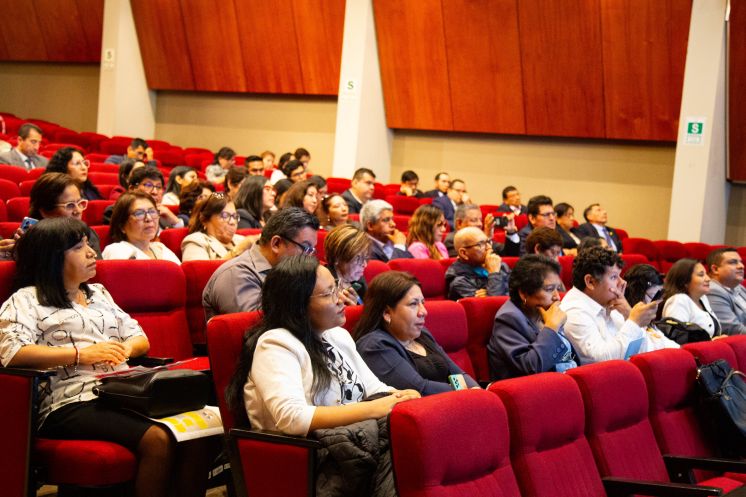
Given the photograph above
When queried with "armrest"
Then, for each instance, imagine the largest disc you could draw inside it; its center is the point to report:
(680, 467)
(149, 362)
(622, 487)
(38, 373)
(275, 437)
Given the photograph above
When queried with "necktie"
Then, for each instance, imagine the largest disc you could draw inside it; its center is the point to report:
(608, 239)
(30, 165)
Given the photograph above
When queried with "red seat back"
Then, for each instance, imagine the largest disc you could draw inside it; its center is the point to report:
(373, 269)
(8, 229)
(7, 274)
(172, 238)
(352, 316)
(738, 344)
(446, 321)
(320, 239)
(631, 260)
(698, 250)
(197, 274)
(103, 178)
(15, 173)
(669, 252)
(644, 247)
(115, 146)
(3, 211)
(337, 185)
(9, 189)
(25, 187)
(402, 222)
(94, 213)
(565, 262)
(103, 235)
(480, 318)
(18, 208)
(430, 274)
(707, 352)
(403, 205)
(171, 157)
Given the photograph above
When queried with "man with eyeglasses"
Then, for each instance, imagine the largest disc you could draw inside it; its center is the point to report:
(456, 195)
(26, 153)
(149, 180)
(478, 272)
(236, 286)
(540, 215)
(727, 295)
(595, 226)
(377, 220)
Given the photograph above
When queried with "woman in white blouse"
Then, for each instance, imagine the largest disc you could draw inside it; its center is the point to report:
(685, 293)
(134, 224)
(212, 231)
(299, 370)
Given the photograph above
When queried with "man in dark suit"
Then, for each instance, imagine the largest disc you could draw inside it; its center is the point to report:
(387, 242)
(361, 189)
(26, 152)
(595, 226)
(541, 214)
(456, 195)
(442, 182)
(512, 201)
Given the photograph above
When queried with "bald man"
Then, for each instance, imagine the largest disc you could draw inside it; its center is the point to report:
(478, 272)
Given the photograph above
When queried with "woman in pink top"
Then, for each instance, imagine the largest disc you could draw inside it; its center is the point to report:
(426, 230)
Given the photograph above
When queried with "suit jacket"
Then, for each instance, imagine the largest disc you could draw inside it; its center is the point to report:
(567, 240)
(434, 193)
(445, 204)
(587, 229)
(353, 205)
(14, 158)
(506, 208)
(730, 311)
(377, 253)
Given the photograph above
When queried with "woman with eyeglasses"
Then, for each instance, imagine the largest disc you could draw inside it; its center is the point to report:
(426, 230)
(392, 338)
(58, 195)
(644, 284)
(134, 225)
(528, 333)
(303, 194)
(212, 231)
(333, 211)
(299, 370)
(180, 177)
(347, 250)
(254, 202)
(70, 160)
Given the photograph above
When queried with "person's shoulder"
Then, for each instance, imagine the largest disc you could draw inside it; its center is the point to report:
(279, 337)
(196, 237)
(719, 290)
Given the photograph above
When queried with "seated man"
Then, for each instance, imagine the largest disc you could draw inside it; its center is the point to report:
(600, 323)
(470, 215)
(377, 220)
(255, 165)
(456, 195)
(442, 182)
(26, 152)
(512, 201)
(595, 226)
(236, 286)
(409, 182)
(139, 150)
(546, 242)
(727, 296)
(149, 180)
(540, 215)
(361, 190)
(478, 272)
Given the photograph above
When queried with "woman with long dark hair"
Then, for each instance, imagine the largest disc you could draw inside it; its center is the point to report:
(70, 161)
(685, 294)
(426, 229)
(254, 202)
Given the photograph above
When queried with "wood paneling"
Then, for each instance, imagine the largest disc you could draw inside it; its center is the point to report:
(62, 29)
(484, 65)
(21, 32)
(163, 44)
(269, 46)
(319, 29)
(414, 72)
(212, 36)
(562, 67)
(644, 50)
(92, 17)
(736, 96)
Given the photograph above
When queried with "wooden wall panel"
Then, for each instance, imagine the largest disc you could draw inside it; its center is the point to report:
(319, 29)
(62, 29)
(92, 16)
(212, 37)
(736, 97)
(484, 65)
(414, 72)
(268, 43)
(4, 54)
(644, 50)
(21, 32)
(163, 44)
(561, 56)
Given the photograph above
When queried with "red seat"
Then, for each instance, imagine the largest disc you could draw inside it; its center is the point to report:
(3, 211)
(429, 272)
(103, 235)
(8, 229)
(622, 234)
(403, 205)
(94, 213)
(463, 453)
(74, 138)
(402, 223)
(102, 167)
(95, 140)
(7, 273)
(320, 239)
(103, 178)
(352, 316)
(738, 344)
(9, 189)
(446, 263)
(510, 261)
(446, 321)
(36, 172)
(170, 158)
(643, 246)
(698, 250)
(172, 239)
(480, 318)
(707, 352)
(115, 146)
(337, 185)
(197, 274)
(669, 252)
(631, 260)
(373, 269)
(18, 208)
(14, 173)
(565, 262)
(195, 159)
(488, 209)
(98, 157)
(390, 189)
(25, 187)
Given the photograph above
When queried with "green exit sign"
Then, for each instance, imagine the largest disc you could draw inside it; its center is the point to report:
(695, 131)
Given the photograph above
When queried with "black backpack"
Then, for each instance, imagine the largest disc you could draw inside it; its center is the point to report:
(724, 405)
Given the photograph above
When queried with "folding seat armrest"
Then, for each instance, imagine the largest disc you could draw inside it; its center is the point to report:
(38, 373)
(623, 487)
(680, 467)
(149, 362)
(275, 437)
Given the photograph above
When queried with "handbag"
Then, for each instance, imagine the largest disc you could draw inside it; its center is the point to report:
(724, 396)
(681, 332)
(156, 393)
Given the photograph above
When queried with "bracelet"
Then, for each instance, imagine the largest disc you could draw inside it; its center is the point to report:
(77, 360)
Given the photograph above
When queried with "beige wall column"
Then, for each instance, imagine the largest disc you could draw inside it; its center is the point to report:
(125, 105)
(699, 200)
(362, 138)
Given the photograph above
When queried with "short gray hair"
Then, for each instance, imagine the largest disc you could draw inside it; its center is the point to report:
(371, 210)
(462, 209)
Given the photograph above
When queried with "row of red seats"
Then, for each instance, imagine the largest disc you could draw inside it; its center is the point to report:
(664, 253)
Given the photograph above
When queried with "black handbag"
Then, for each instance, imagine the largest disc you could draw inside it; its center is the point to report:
(681, 332)
(724, 392)
(156, 393)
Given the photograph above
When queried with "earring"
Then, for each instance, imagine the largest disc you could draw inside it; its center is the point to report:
(388, 320)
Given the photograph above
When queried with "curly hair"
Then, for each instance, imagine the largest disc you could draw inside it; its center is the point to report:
(594, 261)
(528, 276)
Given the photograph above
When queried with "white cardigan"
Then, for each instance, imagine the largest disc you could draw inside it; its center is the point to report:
(277, 394)
(681, 306)
(125, 250)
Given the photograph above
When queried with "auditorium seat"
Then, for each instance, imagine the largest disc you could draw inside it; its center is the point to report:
(738, 344)
(7, 274)
(14, 173)
(698, 250)
(3, 211)
(25, 187)
(94, 213)
(510, 261)
(446, 263)
(195, 159)
(446, 321)
(402, 222)
(337, 185)
(18, 208)
(74, 138)
(103, 235)
(9, 189)
(102, 167)
(403, 205)
(622, 234)
(631, 260)
(36, 172)
(197, 274)
(8, 229)
(95, 140)
(320, 251)
(103, 178)
(373, 269)
(172, 239)
(489, 209)
(480, 318)
(711, 351)
(97, 157)
(565, 262)
(170, 158)
(669, 251)
(116, 145)
(464, 453)
(644, 247)
(391, 189)
(428, 272)
(352, 316)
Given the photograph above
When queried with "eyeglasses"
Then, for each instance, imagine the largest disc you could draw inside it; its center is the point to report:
(333, 293)
(70, 206)
(149, 187)
(140, 214)
(227, 216)
(441, 224)
(83, 162)
(307, 249)
(547, 215)
(483, 244)
(360, 260)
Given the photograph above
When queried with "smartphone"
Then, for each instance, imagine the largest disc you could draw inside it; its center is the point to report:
(657, 295)
(500, 220)
(27, 223)
(457, 381)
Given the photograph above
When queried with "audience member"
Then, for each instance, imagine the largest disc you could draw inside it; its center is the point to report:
(455, 196)
(589, 241)
(70, 161)
(236, 175)
(644, 284)
(139, 150)
(255, 165)
(254, 202)
(88, 335)
(409, 182)
(179, 177)
(361, 190)
(302, 155)
(190, 195)
(347, 251)
(212, 231)
(442, 182)
(280, 172)
(392, 338)
(377, 220)
(303, 195)
(224, 159)
(150, 180)
(294, 170)
(685, 291)
(471, 215)
(26, 152)
(528, 335)
(333, 212)
(236, 286)
(268, 158)
(595, 226)
(478, 272)
(125, 171)
(512, 202)
(321, 186)
(546, 242)
(281, 188)
(426, 229)
(727, 295)
(134, 224)
(601, 325)
(540, 215)
(566, 227)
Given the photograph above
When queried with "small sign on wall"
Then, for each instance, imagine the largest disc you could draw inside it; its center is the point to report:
(695, 131)
(107, 61)
(350, 89)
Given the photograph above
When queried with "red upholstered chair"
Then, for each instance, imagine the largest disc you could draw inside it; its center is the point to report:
(101, 167)
(197, 274)
(195, 159)
(565, 262)
(25, 187)
(14, 173)
(18, 208)
(446, 263)
(403, 205)
(104, 178)
(9, 189)
(158, 145)
(463, 453)
(320, 252)
(480, 317)
(391, 189)
(105, 191)
(429, 272)
(669, 251)
(8, 229)
(36, 172)
(352, 316)
(622, 234)
(707, 352)
(94, 213)
(170, 157)
(510, 261)
(738, 344)
(373, 269)
(402, 222)
(446, 321)
(337, 185)
(116, 145)
(103, 235)
(644, 247)
(488, 209)
(95, 140)
(73, 138)
(698, 250)
(3, 211)
(632, 260)
(172, 239)
(98, 157)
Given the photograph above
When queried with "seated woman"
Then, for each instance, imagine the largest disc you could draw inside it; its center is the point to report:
(392, 338)
(88, 336)
(70, 160)
(426, 229)
(347, 250)
(134, 224)
(565, 226)
(233, 179)
(528, 335)
(302, 194)
(125, 171)
(299, 371)
(685, 294)
(224, 159)
(190, 195)
(58, 195)
(644, 284)
(254, 202)
(333, 212)
(321, 186)
(180, 176)
(212, 231)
